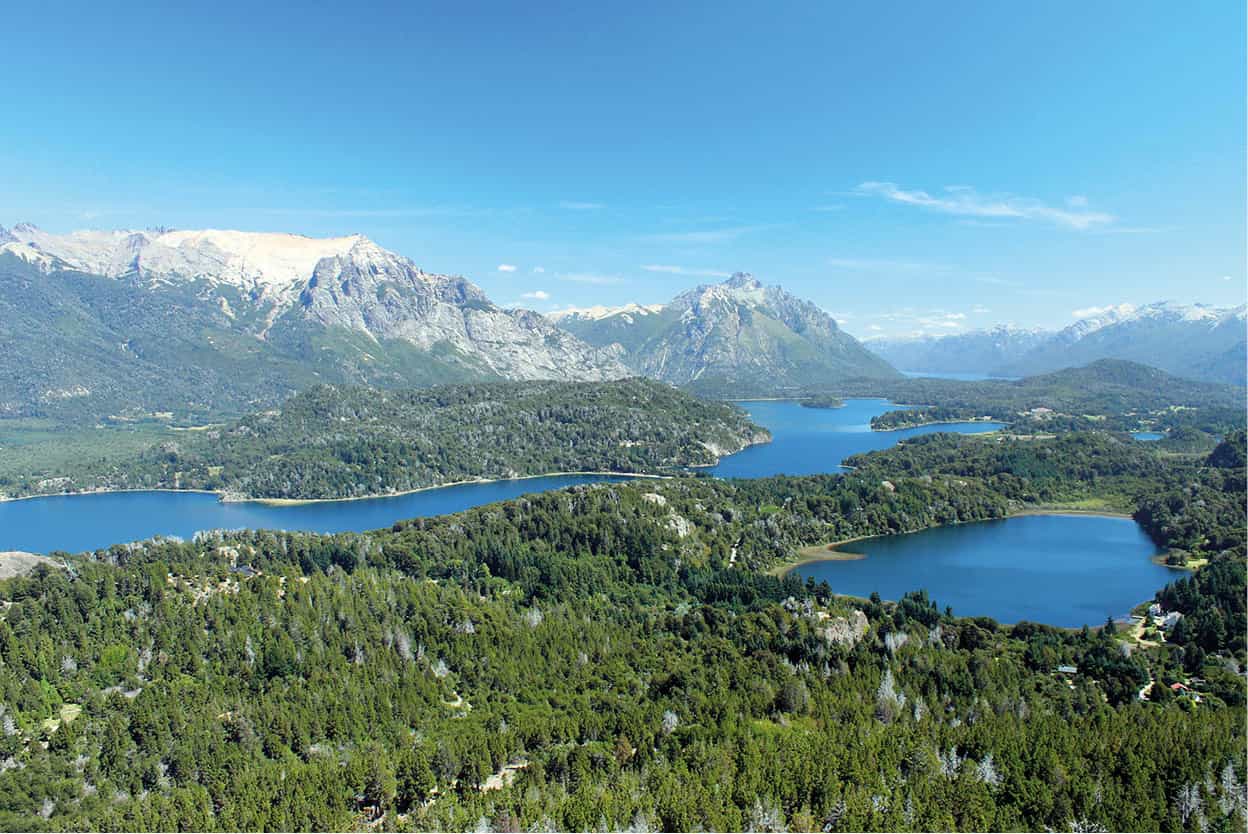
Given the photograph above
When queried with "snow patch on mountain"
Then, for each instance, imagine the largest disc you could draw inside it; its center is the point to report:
(272, 263)
(1159, 312)
(335, 285)
(268, 260)
(599, 312)
(29, 254)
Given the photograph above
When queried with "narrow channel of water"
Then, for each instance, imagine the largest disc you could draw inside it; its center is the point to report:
(807, 440)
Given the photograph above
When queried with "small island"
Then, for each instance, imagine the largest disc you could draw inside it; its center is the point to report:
(823, 402)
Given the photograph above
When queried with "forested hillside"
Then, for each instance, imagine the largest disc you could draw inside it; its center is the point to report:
(1108, 394)
(343, 442)
(613, 657)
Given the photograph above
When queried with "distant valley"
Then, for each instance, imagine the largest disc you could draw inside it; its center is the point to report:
(1194, 342)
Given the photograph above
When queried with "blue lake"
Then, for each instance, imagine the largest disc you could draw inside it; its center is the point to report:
(806, 441)
(1075, 569)
(85, 522)
(1147, 435)
(1063, 570)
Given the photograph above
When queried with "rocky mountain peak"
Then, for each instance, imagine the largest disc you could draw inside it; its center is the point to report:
(743, 281)
(376, 313)
(737, 335)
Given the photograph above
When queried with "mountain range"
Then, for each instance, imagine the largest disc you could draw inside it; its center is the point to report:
(188, 324)
(1192, 341)
(197, 322)
(737, 338)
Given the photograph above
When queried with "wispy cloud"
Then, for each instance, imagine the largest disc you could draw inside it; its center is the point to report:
(966, 201)
(707, 236)
(980, 309)
(829, 208)
(913, 323)
(580, 205)
(537, 295)
(590, 278)
(506, 267)
(1091, 312)
(539, 270)
(681, 270)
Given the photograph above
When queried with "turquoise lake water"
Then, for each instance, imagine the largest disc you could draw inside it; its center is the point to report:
(1063, 570)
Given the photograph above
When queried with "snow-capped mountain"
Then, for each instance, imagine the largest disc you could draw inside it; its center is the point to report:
(255, 261)
(978, 351)
(598, 312)
(1193, 341)
(738, 335)
(327, 309)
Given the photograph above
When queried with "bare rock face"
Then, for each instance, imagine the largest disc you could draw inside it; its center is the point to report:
(386, 296)
(18, 562)
(846, 631)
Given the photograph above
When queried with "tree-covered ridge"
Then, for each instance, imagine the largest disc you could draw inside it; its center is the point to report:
(591, 658)
(342, 442)
(1107, 394)
(1190, 505)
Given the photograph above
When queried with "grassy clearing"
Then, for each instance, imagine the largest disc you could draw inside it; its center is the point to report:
(32, 448)
(1115, 505)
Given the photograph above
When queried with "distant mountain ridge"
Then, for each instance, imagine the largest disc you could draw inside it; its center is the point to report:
(978, 351)
(1191, 341)
(224, 320)
(737, 337)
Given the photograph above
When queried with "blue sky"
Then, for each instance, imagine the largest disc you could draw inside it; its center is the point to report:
(908, 166)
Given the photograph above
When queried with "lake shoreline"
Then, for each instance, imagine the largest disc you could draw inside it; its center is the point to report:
(1073, 511)
(294, 502)
(903, 427)
(818, 553)
(289, 502)
(116, 491)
